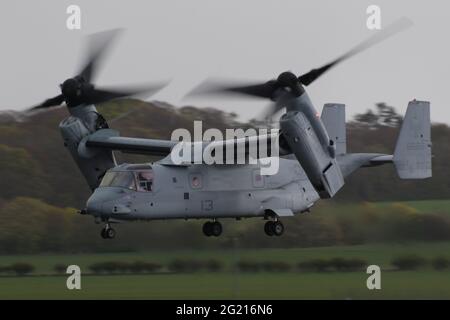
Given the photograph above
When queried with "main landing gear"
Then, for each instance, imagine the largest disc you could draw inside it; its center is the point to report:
(108, 232)
(213, 228)
(274, 228)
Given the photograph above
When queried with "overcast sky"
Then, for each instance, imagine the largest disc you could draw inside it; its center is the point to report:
(189, 40)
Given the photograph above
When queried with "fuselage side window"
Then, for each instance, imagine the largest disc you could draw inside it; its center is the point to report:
(144, 180)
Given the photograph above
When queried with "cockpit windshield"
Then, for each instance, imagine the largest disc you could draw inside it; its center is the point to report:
(133, 180)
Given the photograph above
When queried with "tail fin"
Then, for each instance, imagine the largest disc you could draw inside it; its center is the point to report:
(333, 117)
(412, 156)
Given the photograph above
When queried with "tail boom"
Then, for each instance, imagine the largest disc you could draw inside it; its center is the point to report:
(412, 155)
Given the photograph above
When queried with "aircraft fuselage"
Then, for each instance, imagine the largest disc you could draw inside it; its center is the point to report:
(199, 191)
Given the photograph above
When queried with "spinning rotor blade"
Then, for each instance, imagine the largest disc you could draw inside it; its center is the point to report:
(52, 102)
(80, 90)
(269, 111)
(380, 36)
(100, 95)
(262, 90)
(221, 87)
(288, 80)
(98, 44)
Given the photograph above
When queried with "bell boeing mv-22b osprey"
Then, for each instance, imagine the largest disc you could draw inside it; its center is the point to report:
(313, 162)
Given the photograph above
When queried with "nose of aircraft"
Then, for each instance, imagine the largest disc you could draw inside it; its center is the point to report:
(96, 203)
(93, 205)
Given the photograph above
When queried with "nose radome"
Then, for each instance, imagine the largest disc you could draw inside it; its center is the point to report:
(95, 203)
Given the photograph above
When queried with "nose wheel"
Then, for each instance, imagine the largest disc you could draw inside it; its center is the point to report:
(212, 229)
(274, 228)
(108, 232)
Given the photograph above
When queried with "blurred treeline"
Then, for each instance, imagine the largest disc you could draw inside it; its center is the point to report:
(192, 265)
(30, 226)
(40, 185)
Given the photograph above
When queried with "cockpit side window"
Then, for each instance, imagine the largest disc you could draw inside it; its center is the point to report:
(123, 179)
(107, 179)
(141, 180)
(144, 180)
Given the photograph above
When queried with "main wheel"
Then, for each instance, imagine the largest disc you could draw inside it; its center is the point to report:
(277, 228)
(110, 233)
(103, 234)
(216, 228)
(207, 229)
(268, 228)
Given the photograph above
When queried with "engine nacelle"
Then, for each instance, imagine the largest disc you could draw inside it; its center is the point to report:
(93, 165)
(320, 167)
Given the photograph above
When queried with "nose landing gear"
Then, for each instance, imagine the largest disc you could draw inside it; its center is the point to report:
(108, 232)
(212, 228)
(274, 228)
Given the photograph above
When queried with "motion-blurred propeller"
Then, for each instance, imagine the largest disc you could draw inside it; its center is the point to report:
(79, 90)
(289, 81)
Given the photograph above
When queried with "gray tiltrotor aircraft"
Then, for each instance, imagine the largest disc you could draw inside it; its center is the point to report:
(313, 161)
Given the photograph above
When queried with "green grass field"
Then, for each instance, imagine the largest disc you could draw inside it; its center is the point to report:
(423, 206)
(395, 285)
(380, 254)
(425, 283)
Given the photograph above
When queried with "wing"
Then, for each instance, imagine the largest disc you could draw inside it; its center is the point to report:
(255, 146)
(110, 139)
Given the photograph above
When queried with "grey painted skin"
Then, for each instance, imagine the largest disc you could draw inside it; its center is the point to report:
(223, 192)
(192, 191)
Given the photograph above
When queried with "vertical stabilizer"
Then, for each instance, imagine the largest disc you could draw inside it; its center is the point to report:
(333, 117)
(412, 156)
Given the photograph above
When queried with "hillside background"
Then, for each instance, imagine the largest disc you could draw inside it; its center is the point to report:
(41, 188)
